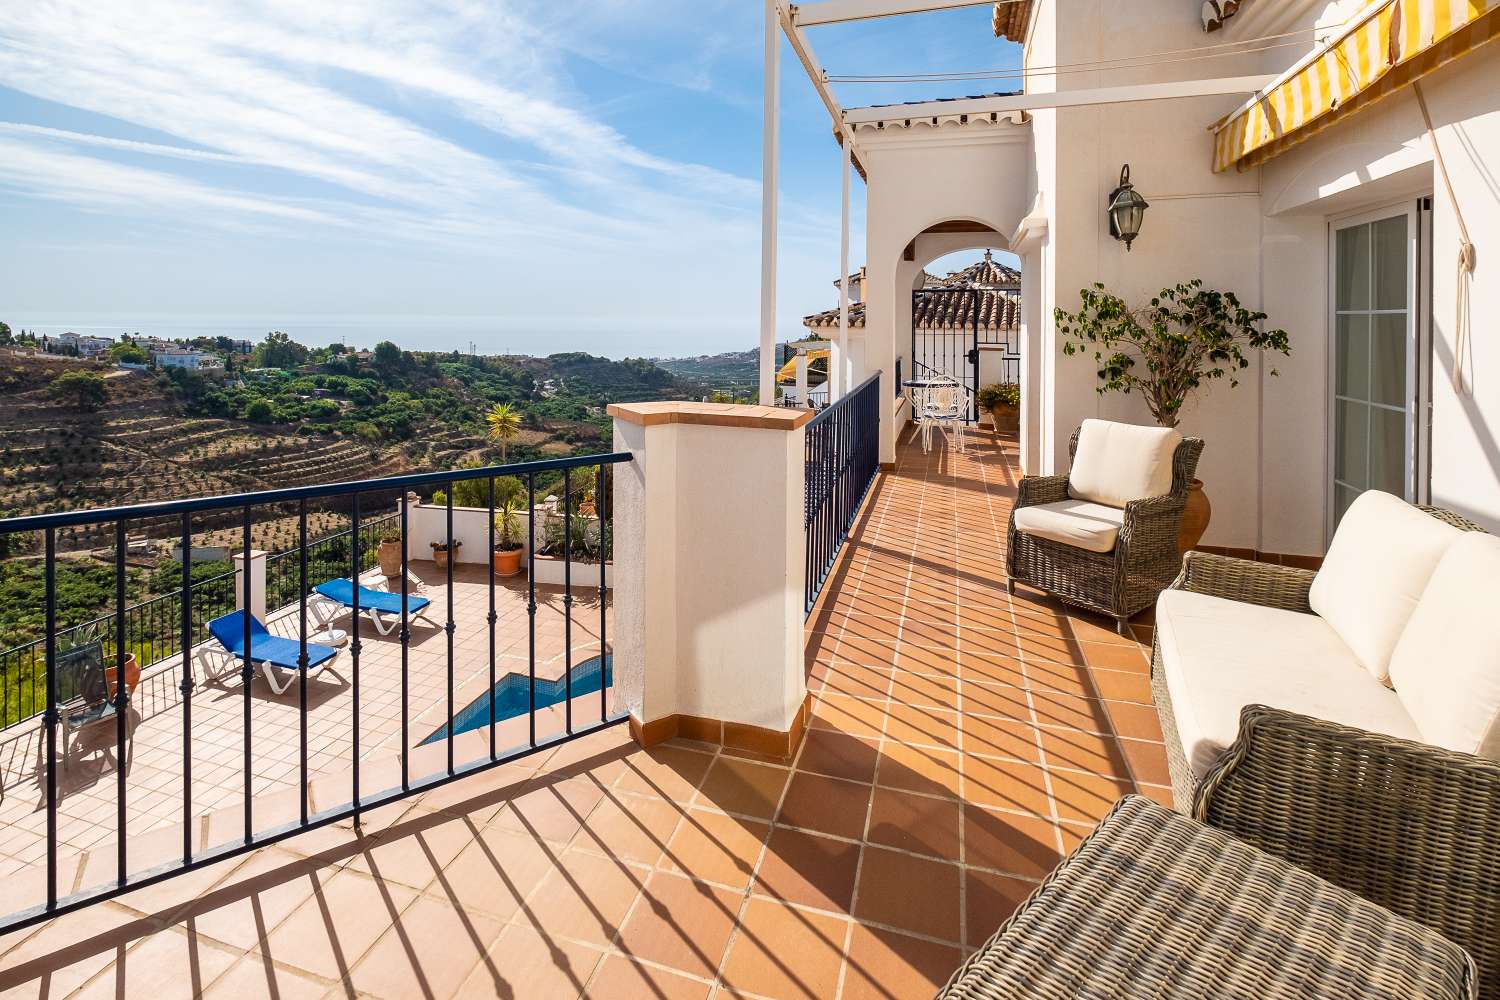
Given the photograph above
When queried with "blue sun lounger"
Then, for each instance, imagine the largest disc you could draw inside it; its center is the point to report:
(372, 602)
(266, 649)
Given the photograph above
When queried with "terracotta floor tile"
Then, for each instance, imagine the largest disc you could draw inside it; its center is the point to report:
(918, 823)
(671, 772)
(429, 951)
(855, 680)
(682, 924)
(1020, 845)
(988, 900)
(914, 894)
(494, 873)
(1002, 700)
(782, 952)
(716, 848)
(839, 755)
(1118, 685)
(329, 932)
(1148, 762)
(1006, 784)
(994, 737)
(632, 827)
(1129, 657)
(807, 869)
(825, 805)
(924, 691)
(1136, 722)
(844, 714)
(164, 966)
(414, 850)
(1054, 708)
(526, 963)
(884, 965)
(920, 726)
(919, 769)
(1069, 748)
(552, 809)
(1086, 797)
(253, 978)
(618, 978)
(741, 786)
(584, 897)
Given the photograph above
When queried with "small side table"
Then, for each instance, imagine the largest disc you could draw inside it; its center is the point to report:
(1152, 904)
(335, 637)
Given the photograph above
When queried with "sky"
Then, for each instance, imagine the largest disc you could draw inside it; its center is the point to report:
(524, 175)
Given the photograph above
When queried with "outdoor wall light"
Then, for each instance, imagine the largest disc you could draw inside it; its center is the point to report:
(1126, 209)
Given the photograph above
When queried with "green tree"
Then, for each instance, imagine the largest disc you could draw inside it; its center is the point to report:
(279, 351)
(259, 411)
(84, 391)
(5, 335)
(386, 358)
(128, 353)
(505, 423)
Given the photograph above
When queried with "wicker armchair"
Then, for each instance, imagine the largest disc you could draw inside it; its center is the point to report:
(1411, 827)
(1118, 583)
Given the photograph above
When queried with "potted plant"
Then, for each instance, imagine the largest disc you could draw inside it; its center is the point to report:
(507, 555)
(440, 552)
(1166, 350)
(389, 553)
(1003, 401)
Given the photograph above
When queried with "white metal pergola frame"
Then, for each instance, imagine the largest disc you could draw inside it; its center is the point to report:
(793, 20)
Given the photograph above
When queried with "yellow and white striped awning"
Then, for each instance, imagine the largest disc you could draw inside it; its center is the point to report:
(1390, 45)
(788, 372)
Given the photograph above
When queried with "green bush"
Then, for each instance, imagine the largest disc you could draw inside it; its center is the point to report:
(999, 394)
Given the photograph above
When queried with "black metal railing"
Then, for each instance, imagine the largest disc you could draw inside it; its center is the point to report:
(327, 557)
(843, 457)
(95, 699)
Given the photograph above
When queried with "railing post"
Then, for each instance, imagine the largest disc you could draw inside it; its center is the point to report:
(710, 562)
(257, 589)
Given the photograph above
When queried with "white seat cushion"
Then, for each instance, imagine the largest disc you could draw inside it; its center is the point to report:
(1382, 556)
(1117, 463)
(1078, 523)
(1217, 656)
(1446, 667)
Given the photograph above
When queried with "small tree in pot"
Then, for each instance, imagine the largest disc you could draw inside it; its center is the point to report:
(442, 551)
(389, 552)
(1003, 402)
(507, 554)
(1166, 350)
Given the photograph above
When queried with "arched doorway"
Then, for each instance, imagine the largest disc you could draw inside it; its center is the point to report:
(965, 321)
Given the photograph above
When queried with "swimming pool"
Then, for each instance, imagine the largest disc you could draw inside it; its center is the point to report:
(513, 698)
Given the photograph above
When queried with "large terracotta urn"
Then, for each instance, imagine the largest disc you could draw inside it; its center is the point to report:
(132, 675)
(1195, 518)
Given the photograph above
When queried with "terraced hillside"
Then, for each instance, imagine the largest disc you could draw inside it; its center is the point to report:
(136, 449)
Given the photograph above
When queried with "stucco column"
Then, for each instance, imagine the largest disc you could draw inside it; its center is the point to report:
(710, 572)
(802, 378)
(257, 582)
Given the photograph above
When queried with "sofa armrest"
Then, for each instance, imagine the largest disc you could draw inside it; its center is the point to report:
(1041, 489)
(1152, 524)
(1246, 580)
(1414, 828)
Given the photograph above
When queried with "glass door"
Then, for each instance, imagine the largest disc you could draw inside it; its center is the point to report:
(1375, 359)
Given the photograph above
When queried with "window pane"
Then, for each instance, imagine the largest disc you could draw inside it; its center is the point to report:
(1388, 451)
(1352, 282)
(1388, 359)
(1390, 263)
(1351, 430)
(1343, 496)
(1352, 365)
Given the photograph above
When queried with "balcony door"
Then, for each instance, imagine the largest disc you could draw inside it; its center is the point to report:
(1378, 375)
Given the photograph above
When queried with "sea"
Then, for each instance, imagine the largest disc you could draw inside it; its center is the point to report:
(608, 336)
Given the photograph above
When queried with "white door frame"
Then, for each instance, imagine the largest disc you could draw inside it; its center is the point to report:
(1418, 347)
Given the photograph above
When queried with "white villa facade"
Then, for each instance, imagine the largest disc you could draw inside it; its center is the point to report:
(1313, 194)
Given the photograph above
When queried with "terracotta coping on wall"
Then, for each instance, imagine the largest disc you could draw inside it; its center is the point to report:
(773, 418)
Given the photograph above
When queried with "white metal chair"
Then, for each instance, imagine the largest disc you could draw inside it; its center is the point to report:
(943, 411)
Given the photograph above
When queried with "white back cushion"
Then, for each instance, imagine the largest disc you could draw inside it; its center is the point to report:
(1118, 463)
(1382, 556)
(1446, 668)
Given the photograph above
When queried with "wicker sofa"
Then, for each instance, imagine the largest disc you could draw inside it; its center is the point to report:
(1104, 537)
(1392, 792)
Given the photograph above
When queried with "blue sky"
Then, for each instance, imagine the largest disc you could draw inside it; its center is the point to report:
(535, 175)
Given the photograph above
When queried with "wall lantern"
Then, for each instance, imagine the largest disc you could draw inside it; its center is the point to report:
(1126, 209)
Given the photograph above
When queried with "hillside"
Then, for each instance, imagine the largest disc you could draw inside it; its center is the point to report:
(157, 436)
(736, 372)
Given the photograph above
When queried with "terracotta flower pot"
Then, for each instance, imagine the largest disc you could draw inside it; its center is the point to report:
(390, 558)
(507, 562)
(1195, 518)
(440, 558)
(1007, 419)
(132, 675)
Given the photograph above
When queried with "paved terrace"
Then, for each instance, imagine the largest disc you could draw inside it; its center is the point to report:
(962, 742)
(154, 778)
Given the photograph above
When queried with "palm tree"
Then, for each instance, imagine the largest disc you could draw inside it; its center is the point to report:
(505, 423)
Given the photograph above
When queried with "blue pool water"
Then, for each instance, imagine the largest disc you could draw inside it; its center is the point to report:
(512, 697)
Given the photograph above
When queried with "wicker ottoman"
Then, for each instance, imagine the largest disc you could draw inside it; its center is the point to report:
(1152, 904)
